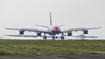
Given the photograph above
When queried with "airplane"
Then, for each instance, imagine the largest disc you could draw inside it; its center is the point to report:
(53, 30)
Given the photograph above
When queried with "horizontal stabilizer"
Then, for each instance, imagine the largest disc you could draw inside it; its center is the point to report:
(42, 26)
(61, 25)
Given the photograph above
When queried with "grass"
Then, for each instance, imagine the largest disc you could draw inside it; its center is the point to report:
(69, 47)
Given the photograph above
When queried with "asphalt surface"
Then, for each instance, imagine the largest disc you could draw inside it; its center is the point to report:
(92, 56)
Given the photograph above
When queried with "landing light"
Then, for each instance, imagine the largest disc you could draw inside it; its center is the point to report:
(56, 36)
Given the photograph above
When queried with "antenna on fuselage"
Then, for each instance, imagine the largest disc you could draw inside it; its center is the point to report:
(50, 19)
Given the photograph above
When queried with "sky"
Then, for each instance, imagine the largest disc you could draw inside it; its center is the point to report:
(72, 13)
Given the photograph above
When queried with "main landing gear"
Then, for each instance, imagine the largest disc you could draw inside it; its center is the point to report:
(53, 37)
(44, 37)
(62, 37)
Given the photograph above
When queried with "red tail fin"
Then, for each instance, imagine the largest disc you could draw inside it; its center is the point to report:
(50, 19)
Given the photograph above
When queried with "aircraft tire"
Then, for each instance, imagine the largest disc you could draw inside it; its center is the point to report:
(62, 37)
(44, 37)
(53, 38)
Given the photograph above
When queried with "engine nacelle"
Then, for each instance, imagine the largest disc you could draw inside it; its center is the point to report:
(21, 32)
(38, 34)
(69, 34)
(85, 32)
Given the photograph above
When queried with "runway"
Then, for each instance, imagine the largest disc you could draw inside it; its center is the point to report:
(41, 38)
(92, 56)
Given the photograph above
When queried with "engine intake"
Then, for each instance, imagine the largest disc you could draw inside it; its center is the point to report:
(85, 32)
(21, 32)
(38, 34)
(69, 34)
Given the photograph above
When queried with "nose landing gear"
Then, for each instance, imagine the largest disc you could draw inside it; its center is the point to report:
(54, 37)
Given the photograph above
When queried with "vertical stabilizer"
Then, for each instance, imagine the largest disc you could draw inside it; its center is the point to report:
(50, 19)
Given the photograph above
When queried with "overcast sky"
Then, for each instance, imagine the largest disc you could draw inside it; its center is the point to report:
(72, 13)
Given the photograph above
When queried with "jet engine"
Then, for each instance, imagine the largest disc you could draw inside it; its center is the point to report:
(69, 34)
(38, 34)
(85, 32)
(21, 32)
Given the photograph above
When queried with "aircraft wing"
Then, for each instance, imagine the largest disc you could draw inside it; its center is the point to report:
(25, 36)
(28, 29)
(79, 29)
(21, 35)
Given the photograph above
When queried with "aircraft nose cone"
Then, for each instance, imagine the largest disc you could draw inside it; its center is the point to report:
(56, 30)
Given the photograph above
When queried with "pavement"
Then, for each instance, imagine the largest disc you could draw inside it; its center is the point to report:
(91, 56)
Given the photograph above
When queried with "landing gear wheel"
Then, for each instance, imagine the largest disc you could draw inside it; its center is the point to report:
(44, 37)
(53, 37)
(56, 37)
(62, 37)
